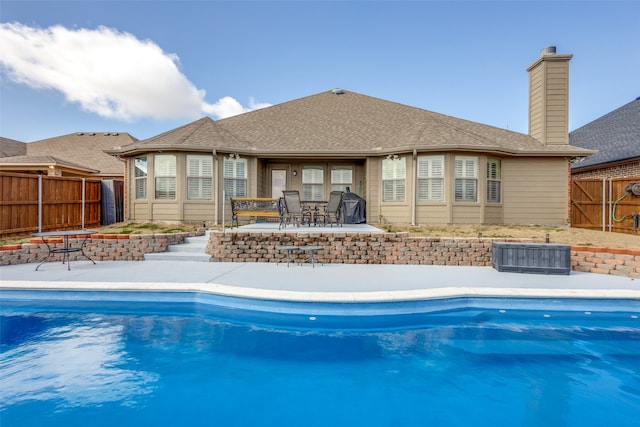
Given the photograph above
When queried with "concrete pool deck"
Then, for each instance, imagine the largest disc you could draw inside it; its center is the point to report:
(328, 282)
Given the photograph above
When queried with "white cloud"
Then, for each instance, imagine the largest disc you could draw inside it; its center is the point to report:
(106, 72)
(227, 107)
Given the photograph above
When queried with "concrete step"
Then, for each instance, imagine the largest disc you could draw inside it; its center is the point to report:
(193, 249)
(178, 256)
(188, 247)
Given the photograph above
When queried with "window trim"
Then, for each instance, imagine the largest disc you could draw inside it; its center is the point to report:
(465, 179)
(398, 179)
(497, 180)
(166, 178)
(430, 177)
(341, 186)
(235, 178)
(313, 185)
(143, 177)
(203, 177)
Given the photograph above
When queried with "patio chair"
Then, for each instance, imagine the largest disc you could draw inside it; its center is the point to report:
(333, 211)
(295, 212)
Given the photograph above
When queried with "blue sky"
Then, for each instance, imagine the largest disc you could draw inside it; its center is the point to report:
(146, 67)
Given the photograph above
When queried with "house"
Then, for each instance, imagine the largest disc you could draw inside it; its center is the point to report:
(78, 154)
(616, 136)
(11, 147)
(412, 166)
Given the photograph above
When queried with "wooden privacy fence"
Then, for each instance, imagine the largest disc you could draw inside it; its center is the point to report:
(32, 203)
(605, 204)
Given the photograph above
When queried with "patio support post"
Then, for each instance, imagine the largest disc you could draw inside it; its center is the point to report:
(414, 181)
(216, 182)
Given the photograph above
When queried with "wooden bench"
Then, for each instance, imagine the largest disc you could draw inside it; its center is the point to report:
(259, 207)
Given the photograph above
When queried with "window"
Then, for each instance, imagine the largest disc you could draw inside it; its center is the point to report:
(431, 178)
(165, 174)
(235, 177)
(312, 183)
(393, 179)
(199, 177)
(341, 178)
(494, 181)
(140, 177)
(466, 179)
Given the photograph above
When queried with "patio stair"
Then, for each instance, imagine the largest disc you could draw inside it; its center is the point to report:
(193, 249)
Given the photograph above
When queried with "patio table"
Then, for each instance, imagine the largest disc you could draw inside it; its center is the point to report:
(311, 249)
(315, 207)
(66, 248)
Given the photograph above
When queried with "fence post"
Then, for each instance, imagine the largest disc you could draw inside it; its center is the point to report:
(83, 193)
(604, 204)
(39, 203)
(610, 205)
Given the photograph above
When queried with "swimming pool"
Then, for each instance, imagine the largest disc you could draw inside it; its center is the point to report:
(136, 358)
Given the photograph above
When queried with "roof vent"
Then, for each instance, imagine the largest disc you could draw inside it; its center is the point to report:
(551, 50)
(337, 91)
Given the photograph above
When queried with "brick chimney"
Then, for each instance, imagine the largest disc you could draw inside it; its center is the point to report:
(549, 97)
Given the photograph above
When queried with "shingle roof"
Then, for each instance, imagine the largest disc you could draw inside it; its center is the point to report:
(44, 161)
(329, 124)
(11, 147)
(84, 150)
(615, 135)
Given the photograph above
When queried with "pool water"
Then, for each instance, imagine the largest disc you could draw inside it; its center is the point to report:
(92, 367)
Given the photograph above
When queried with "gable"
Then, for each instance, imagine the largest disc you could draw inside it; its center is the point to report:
(615, 135)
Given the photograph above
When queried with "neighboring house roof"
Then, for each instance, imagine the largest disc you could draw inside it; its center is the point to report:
(44, 162)
(81, 151)
(615, 135)
(344, 123)
(11, 147)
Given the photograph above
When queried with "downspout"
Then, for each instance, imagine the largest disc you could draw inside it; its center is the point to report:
(414, 181)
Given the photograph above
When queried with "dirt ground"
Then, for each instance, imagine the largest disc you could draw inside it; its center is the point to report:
(566, 235)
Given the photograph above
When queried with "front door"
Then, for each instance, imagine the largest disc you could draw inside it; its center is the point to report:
(278, 182)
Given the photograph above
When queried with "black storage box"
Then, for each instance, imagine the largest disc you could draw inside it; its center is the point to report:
(542, 258)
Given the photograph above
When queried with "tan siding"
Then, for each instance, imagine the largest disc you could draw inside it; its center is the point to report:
(374, 183)
(557, 90)
(432, 215)
(198, 211)
(396, 214)
(493, 214)
(165, 212)
(140, 212)
(535, 191)
(467, 214)
(536, 103)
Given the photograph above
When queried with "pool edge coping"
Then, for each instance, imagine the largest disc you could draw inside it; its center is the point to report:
(328, 297)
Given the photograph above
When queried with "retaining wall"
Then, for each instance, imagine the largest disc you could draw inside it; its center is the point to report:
(346, 248)
(619, 262)
(400, 248)
(100, 247)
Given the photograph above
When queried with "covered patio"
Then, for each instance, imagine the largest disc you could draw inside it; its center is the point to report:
(273, 227)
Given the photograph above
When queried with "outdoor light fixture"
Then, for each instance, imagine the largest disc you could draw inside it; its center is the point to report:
(295, 172)
(392, 157)
(234, 156)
